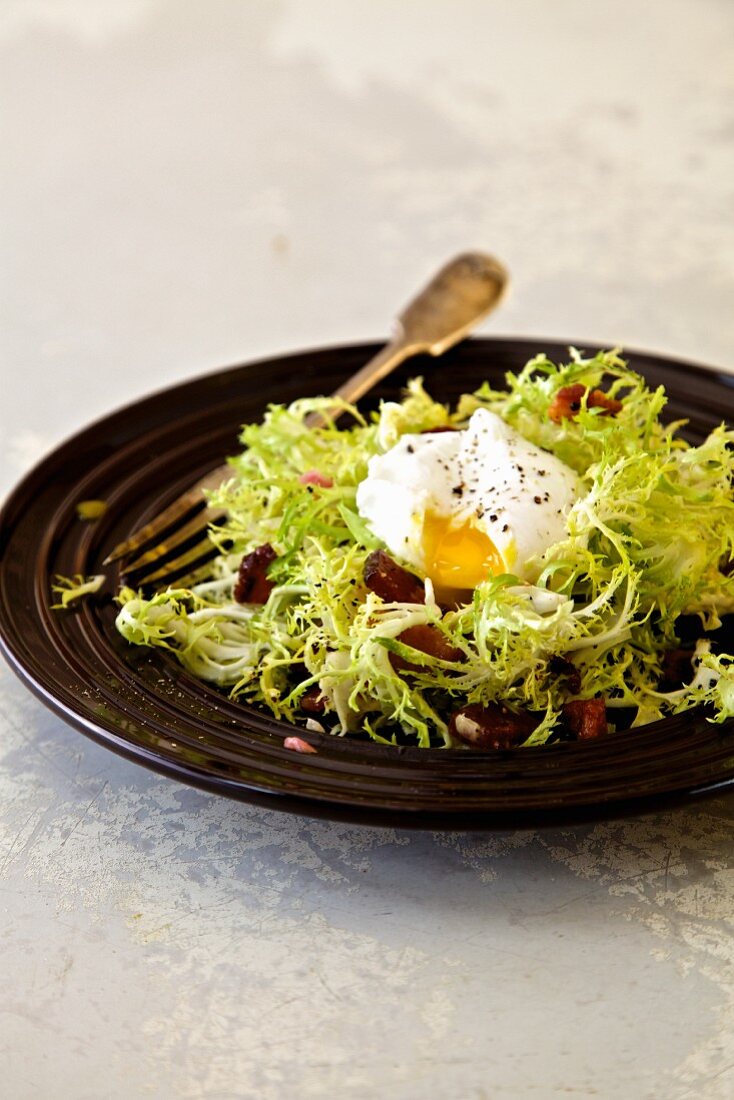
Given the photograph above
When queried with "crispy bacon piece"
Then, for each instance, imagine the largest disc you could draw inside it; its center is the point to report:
(561, 666)
(390, 581)
(298, 745)
(312, 701)
(597, 399)
(314, 477)
(252, 584)
(567, 402)
(586, 718)
(426, 638)
(677, 669)
(491, 727)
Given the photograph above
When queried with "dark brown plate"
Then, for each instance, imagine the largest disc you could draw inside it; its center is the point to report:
(144, 706)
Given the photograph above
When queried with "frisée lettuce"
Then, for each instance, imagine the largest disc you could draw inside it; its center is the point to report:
(648, 545)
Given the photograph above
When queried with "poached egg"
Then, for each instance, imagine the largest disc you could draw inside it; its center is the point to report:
(462, 506)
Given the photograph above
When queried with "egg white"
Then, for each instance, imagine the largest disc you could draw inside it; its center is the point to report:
(486, 485)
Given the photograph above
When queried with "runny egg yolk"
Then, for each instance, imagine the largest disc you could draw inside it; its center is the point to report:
(457, 554)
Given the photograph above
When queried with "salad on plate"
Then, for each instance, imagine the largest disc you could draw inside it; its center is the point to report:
(544, 562)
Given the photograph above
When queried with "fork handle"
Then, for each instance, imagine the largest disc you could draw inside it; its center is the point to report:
(397, 351)
(465, 289)
(380, 365)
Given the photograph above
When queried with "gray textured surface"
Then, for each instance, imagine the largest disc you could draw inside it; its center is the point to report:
(188, 184)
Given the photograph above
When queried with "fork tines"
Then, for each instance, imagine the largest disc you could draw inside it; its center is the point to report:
(166, 549)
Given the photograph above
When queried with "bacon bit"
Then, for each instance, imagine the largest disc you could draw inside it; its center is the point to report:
(426, 638)
(441, 428)
(313, 477)
(298, 745)
(587, 718)
(390, 581)
(491, 727)
(597, 399)
(312, 701)
(567, 402)
(252, 584)
(677, 669)
(561, 666)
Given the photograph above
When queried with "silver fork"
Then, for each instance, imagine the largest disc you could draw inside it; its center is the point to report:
(463, 292)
